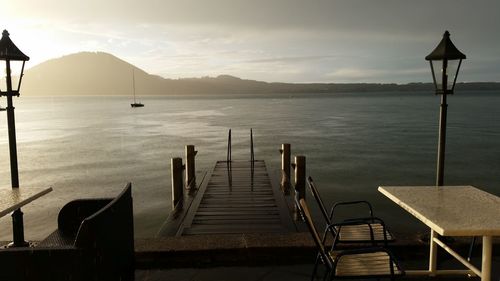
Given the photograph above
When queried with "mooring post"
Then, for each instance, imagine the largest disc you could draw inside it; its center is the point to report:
(300, 176)
(285, 168)
(190, 167)
(300, 179)
(177, 188)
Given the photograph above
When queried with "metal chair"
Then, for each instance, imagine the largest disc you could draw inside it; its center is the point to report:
(373, 262)
(353, 230)
(370, 229)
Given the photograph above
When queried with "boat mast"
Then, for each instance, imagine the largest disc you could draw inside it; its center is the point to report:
(133, 83)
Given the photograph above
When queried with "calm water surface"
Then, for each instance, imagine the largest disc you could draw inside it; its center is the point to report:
(92, 146)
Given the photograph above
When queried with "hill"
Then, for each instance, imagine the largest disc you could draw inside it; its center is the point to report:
(97, 73)
(86, 74)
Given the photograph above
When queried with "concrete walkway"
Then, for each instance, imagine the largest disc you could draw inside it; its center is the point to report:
(276, 273)
(260, 257)
(300, 272)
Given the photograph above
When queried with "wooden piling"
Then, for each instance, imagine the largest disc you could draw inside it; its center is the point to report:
(300, 176)
(285, 167)
(300, 182)
(190, 167)
(177, 188)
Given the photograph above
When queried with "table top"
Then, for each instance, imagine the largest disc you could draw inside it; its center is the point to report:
(12, 199)
(450, 210)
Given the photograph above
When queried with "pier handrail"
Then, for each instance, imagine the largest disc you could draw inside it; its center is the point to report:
(252, 156)
(228, 158)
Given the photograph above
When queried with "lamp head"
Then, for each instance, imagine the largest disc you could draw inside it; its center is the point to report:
(445, 60)
(10, 53)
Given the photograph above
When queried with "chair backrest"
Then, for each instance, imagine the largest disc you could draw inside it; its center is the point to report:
(109, 233)
(304, 210)
(315, 193)
(329, 216)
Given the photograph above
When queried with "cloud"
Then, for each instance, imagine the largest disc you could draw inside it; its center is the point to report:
(290, 59)
(352, 15)
(271, 40)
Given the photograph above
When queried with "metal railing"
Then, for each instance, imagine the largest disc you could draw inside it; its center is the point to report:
(252, 155)
(252, 160)
(228, 158)
(228, 161)
(229, 152)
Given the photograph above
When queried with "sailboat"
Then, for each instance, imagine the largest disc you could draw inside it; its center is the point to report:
(135, 104)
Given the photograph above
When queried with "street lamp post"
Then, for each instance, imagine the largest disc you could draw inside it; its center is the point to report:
(11, 54)
(445, 63)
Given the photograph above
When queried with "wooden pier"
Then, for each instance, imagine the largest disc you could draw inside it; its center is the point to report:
(233, 198)
(238, 200)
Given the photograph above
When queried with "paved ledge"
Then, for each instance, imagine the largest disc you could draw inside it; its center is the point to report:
(263, 250)
(201, 251)
(230, 249)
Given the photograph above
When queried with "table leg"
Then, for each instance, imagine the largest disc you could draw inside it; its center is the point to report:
(432, 254)
(486, 260)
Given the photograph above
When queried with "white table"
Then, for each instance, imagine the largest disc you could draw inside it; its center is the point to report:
(12, 199)
(452, 211)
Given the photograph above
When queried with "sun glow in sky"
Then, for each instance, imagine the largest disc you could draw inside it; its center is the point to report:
(268, 40)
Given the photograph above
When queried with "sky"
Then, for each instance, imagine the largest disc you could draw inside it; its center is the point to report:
(338, 41)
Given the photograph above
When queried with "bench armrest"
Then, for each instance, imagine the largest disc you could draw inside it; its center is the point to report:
(73, 213)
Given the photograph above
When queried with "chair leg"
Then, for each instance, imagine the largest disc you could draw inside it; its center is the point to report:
(313, 276)
(329, 275)
(326, 276)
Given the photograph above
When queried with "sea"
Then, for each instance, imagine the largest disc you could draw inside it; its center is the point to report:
(91, 146)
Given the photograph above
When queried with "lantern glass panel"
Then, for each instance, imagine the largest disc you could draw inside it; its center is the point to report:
(16, 68)
(452, 72)
(437, 71)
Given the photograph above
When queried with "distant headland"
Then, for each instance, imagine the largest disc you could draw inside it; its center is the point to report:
(98, 73)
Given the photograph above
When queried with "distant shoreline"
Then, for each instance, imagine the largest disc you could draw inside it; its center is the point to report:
(271, 94)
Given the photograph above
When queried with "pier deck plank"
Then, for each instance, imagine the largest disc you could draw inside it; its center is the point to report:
(235, 200)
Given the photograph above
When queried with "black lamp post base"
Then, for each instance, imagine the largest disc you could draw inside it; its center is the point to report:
(18, 230)
(14, 245)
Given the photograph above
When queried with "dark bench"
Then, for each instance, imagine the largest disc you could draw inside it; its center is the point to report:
(94, 241)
